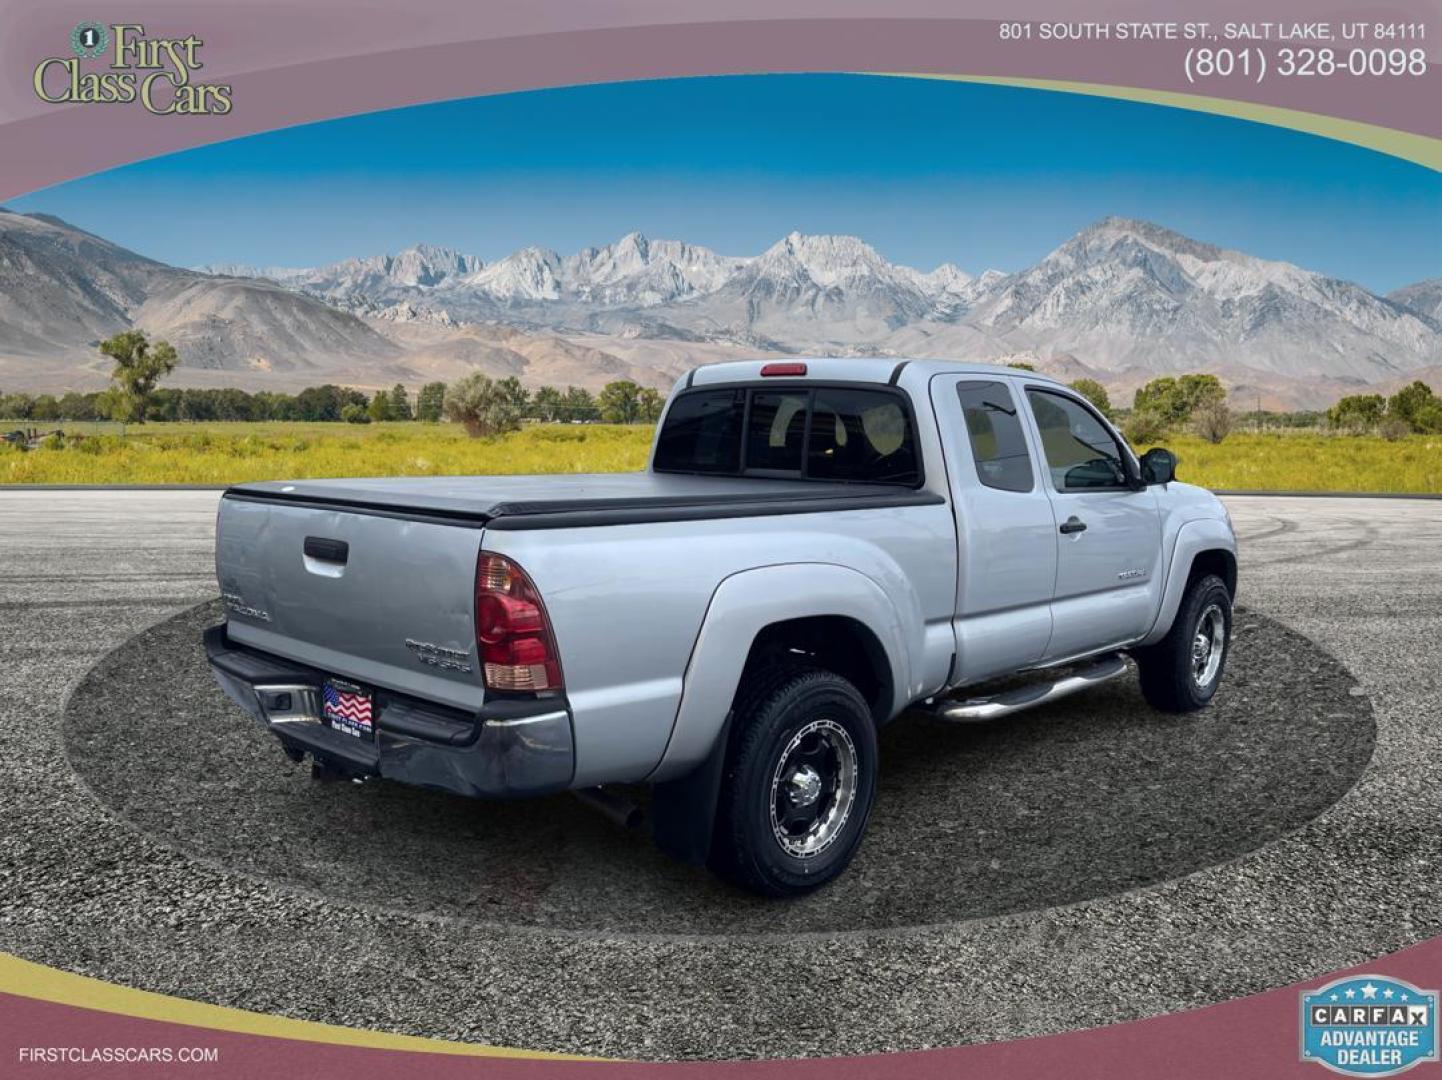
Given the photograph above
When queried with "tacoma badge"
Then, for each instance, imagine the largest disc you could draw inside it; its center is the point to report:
(439, 655)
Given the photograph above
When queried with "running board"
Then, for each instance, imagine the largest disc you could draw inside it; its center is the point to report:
(973, 710)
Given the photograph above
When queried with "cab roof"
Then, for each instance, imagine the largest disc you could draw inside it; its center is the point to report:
(874, 369)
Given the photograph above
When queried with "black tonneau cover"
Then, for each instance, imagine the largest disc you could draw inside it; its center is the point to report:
(578, 500)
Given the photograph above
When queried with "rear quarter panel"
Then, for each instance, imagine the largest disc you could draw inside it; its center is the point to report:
(627, 603)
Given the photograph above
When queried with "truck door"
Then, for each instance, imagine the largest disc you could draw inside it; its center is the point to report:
(1108, 533)
(1006, 536)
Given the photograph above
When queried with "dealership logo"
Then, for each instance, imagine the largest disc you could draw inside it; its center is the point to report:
(1369, 1025)
(89, 40)
(157, 72)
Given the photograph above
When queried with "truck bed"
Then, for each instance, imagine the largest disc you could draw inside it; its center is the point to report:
(578, 500)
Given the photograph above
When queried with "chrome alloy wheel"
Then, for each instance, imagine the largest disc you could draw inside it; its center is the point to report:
(1209, 642)
(813, 789)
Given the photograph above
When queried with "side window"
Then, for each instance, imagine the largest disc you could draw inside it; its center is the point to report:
(861, 435)
(998, 444)
(776, 430)
(1081, 453)
(702, 433)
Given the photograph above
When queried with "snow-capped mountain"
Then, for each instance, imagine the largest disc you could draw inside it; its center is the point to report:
(1122, 300)
(1120, 294)
(634, 272)
(639, 272)
(812, 270)
(1125, 292)
(245, 270)
(529, 274)
(421, 266)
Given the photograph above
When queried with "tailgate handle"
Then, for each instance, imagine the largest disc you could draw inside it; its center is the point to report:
(319, 547)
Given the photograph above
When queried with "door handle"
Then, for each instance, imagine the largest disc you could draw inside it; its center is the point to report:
(326, 550)
(1073, 524)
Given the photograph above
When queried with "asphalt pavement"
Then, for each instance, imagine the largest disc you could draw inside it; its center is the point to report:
(1090, 863)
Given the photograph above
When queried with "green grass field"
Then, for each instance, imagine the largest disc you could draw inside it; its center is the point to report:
(221, 453)
(1305, 461)
(224, 453)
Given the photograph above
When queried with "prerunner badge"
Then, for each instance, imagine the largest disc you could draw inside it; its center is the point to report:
(1369, 1025)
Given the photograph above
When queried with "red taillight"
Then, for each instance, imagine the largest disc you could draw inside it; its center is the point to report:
(768, 370)
(518, 650)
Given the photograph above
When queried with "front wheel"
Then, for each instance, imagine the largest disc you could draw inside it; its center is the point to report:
(1181, 672)
(798, 785)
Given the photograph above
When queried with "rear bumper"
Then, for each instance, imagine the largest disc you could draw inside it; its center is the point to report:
(509, 748)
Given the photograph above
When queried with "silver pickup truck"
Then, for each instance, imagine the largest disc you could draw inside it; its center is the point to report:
(815, 548)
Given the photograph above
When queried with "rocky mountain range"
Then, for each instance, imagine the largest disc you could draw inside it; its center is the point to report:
(1121, 301)
(63, 289)
(1424, 298)
(1121, 294)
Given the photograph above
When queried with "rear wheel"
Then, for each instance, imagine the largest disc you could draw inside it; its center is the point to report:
(1181, 672)
(798, 785)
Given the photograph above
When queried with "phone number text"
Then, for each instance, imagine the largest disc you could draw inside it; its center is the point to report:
(1256, 50)
(1206, 62)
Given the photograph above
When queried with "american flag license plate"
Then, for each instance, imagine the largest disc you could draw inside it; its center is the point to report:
(347, 708)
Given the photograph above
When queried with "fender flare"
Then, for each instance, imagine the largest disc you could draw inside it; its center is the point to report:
(687, 782)
(746, 603)
(1193, 537)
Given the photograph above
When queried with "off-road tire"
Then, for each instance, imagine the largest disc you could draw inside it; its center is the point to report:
(745, 848)
(1168, 675)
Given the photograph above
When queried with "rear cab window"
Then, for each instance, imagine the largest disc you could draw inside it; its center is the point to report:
(835, 433)
(998, 442)
(776, 431)
(702, 433)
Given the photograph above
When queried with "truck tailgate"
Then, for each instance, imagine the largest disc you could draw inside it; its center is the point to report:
(375, 598)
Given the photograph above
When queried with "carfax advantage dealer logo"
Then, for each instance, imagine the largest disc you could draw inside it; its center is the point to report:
(1369, 1025)
(129, 66)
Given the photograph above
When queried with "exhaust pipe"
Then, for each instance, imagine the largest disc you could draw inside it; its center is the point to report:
(614, 808)
(326, 772)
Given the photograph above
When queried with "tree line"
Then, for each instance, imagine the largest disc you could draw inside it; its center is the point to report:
(1199, 403)
(483, 405)
(1413, 409)
(487, 406)
(503, 400)
(1164, 405)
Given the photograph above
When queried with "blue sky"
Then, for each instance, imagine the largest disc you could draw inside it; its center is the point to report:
(926, 171)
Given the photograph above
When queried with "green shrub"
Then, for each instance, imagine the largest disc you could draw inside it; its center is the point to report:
(1357, 413)
(1394, 430)
(1096, 393)
(1144, 426)
(481, 406)
(1176, 398)
(1213, 421)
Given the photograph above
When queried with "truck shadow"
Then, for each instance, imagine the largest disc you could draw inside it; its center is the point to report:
(1088, 797)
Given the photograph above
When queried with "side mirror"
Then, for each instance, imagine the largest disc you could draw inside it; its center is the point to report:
(1159, 466)
(1097, 473)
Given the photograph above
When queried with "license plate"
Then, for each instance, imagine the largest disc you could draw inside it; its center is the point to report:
(347, 709)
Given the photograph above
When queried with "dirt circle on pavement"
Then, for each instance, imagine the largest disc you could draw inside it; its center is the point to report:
(1087, 797)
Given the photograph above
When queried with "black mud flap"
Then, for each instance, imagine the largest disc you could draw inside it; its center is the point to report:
(683, 811)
